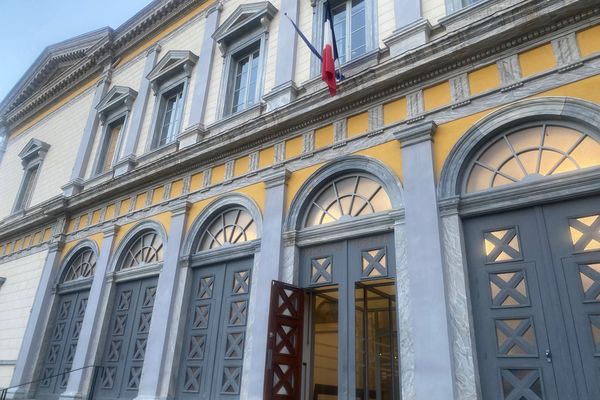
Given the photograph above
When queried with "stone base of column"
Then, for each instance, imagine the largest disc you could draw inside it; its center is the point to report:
(71, 396)
(408, 37)
(72, 188)
(125, 165)
(191, 135)
(281, 95)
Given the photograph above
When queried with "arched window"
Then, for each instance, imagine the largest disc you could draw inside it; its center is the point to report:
(531, 153)
(147, 248)
(232, 226)
(347, 197)
(82, 266)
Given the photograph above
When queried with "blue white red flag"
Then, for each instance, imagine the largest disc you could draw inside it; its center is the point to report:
(329, 55)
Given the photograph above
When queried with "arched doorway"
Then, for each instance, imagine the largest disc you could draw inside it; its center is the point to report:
(221, 257)
(137, 266)
(347, 266)
(531, 220)
(73, 290)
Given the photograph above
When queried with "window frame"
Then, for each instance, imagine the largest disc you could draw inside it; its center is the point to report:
(96, 171)
(232, 57)
(32, 157)
(173, 70)
(371, 27)
(167, 90)
(245, 27)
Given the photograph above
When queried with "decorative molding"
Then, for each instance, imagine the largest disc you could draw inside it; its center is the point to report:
(566, 50)
(277, 178)
(175, 62)
(414, 104)
(229, 170)
(459, 88)
(279, 153)
(415, 134)
(340, 132)
(206, 178)
(375, 117)
(253, 161)
(509, 69)
(308, 142)
(117, 98)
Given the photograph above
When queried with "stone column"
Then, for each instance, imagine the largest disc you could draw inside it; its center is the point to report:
(89, 336)
(31, 346)
(433, 377)
(75, 184)
(458, 304)
(160, 345)
(266, 269)
(127, 161)
(195, 128)
(285, 90)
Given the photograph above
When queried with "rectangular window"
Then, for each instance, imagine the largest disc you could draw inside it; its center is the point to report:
(109, 146)
(171, 108)
(244, 79)
(27, 188)
(350, 27)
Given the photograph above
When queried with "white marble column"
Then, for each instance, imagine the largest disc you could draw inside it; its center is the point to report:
(160, 346)
(75, 184)
(128, 159)
(89, 337)
(31, 346)
(434, 375)
(195, 128)
(266, 269)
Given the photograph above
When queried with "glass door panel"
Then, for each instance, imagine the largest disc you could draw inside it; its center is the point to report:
(376, 340)
(325, 329)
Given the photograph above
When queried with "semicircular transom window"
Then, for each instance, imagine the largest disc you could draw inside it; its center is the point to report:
(532, 153)
(147, 248)
(347, 197)
(82, 266)
(232, 226)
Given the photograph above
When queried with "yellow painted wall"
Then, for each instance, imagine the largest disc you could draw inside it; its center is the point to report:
(97, 238)
(483, 79)
(394, 111)
(295, 182)
(241, 166)
(163, 218)
(124, 209)
(196, 181)
(140, 200)
(324, 136)
(358, 124)
(293, 147)
(589, 41)
(110, 212)
(266, 157)
(437, 96)
(537, 60)
(218, 174)
(158, 194)
(388, 153)
(176, 189)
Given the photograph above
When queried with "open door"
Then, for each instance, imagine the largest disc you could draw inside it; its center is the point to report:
(283, 374)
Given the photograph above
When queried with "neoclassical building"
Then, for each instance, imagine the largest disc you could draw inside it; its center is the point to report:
(186, 213)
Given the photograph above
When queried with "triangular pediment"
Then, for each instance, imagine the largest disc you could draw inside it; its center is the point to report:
(32, 149)
(246, 18)
(117, 97)
(55, 61)
(174, 62)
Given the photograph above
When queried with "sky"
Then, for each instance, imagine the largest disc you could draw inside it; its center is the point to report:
(28, 26)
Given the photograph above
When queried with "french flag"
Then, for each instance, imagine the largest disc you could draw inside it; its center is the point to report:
(330, 54)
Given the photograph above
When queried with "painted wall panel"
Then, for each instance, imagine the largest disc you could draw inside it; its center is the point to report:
(16, 298)
(62, 130)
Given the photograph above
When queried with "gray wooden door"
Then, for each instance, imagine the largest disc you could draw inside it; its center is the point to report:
(126, 340)
(535, 294)
(215, 333)
(62, 344)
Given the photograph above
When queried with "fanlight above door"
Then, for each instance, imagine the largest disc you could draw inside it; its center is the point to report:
(532, 153)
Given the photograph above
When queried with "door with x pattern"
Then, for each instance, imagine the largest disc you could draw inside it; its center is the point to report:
(215, 333)
(126, 340)
(62, 344)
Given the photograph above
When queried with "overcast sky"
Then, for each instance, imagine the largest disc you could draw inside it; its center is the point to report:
(28, 26)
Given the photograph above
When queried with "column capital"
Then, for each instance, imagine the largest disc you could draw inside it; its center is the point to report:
(111, 230)
(416, 133)
(57, 244)
(179, 207)
(277, 178)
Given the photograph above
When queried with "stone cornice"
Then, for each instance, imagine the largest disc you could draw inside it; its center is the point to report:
(386, 81)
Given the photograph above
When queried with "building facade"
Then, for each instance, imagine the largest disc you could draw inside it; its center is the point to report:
(186, 213)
